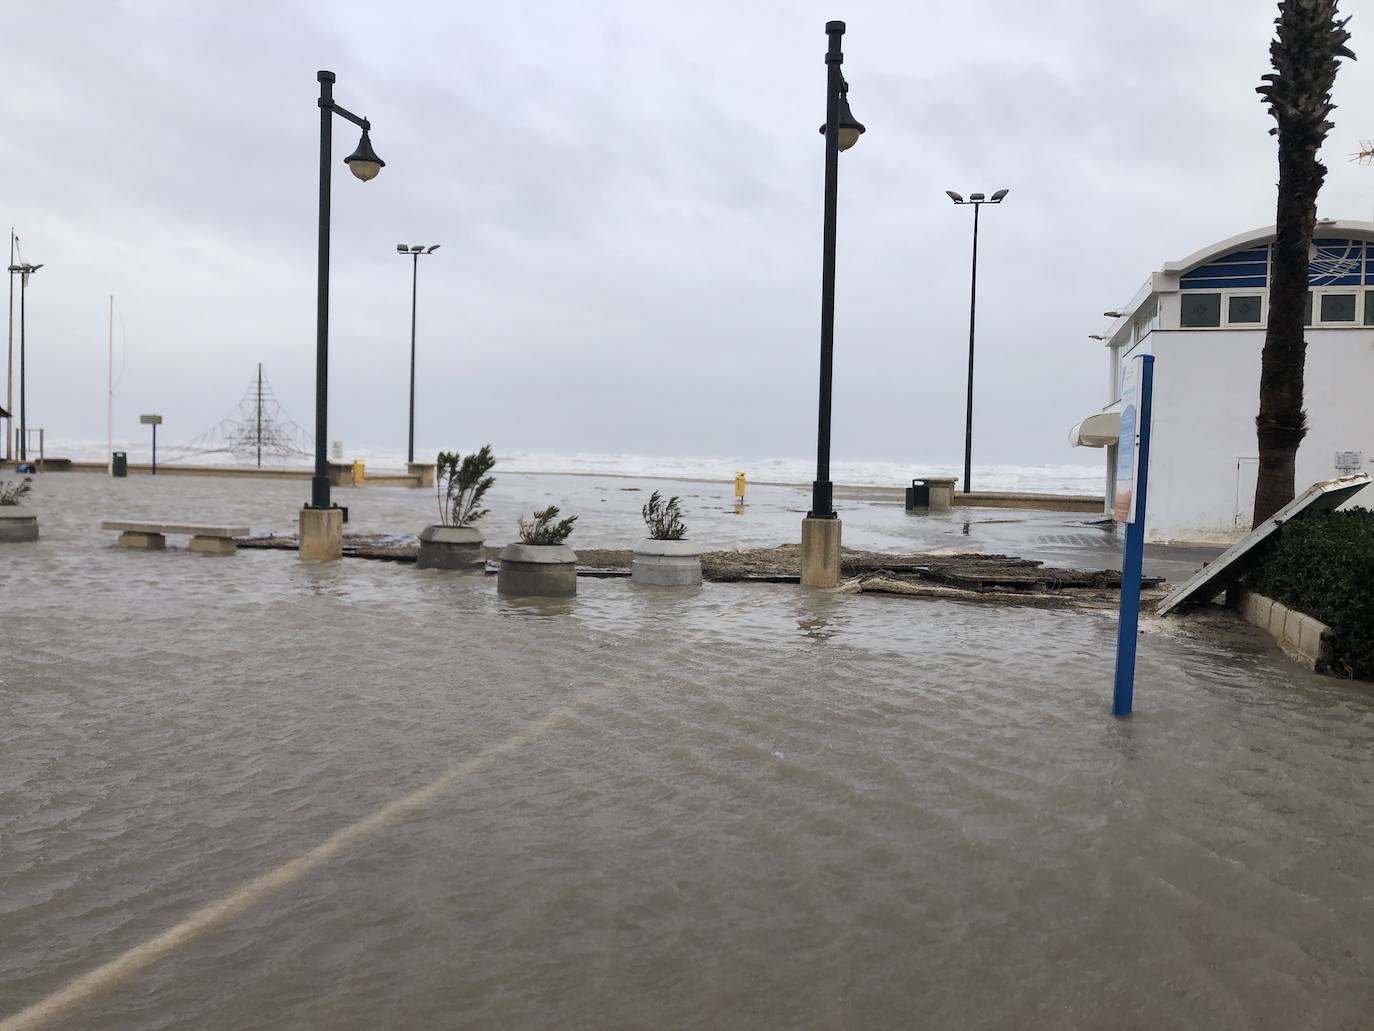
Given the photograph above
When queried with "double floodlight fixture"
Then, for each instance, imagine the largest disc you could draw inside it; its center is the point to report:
(416, 248)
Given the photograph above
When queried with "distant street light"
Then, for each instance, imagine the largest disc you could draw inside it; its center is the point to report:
(977, 200)
(1114, 314)
(414, 250)
(25, 270)
(364, 164)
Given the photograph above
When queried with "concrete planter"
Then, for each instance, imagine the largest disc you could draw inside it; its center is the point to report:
(449, 547)
(537, 571)
(17, 524)
(667, 563)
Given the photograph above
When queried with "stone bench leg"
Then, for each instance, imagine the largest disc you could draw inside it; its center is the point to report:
(142, 541)
(213, 545)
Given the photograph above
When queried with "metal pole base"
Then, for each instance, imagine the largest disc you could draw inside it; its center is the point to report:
(822, 500)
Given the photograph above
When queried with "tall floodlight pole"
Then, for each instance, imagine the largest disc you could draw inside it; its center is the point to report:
(977, 200)
(364, 164)
(109, 394)
(820, 529)
(9, 362)
(414, 250)
(25, 270)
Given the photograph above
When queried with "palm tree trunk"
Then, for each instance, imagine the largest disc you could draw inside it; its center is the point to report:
(1306, 54)
(1282, 423)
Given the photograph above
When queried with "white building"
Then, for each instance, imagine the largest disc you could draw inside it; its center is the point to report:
(1203, 319)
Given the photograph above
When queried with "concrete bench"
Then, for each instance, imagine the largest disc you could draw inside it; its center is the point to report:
(209, 540)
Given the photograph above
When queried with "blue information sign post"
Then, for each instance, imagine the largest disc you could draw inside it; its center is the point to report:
(1132, 476)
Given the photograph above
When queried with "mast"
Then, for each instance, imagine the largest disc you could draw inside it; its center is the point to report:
(259, 415)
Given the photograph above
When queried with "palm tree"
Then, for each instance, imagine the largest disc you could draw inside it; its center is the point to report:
(1310, 42)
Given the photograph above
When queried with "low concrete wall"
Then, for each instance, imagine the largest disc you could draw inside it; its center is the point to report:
(341, 474)
(1302, 638)
(1043, 502)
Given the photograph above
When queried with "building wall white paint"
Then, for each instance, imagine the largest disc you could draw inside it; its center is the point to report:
(1205, 398)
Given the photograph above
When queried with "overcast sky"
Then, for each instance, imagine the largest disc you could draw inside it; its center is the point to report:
(628, 199)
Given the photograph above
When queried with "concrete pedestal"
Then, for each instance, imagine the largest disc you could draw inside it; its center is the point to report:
(449, 547)
(213, 545)
(820, 552)
(17, 525)
(142, 541)
(537, 571)
(423, 473)
(941, 492)
(321, 535)
(667, 563)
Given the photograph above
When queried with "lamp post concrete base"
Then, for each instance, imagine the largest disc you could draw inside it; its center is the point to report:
(820, 552)
(321, 534)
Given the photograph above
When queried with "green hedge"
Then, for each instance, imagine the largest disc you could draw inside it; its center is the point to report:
(1323, 565)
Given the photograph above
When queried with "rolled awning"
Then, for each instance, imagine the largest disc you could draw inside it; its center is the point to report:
(1098, 430)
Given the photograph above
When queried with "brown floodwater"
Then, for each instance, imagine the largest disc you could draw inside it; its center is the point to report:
(251, 793)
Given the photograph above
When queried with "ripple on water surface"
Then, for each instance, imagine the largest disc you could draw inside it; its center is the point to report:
(736, 806)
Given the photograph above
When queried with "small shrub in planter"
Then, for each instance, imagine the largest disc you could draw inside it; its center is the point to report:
(18, 523)
(460, 484)
(541, 565)
(667, 558)
(1323, 565)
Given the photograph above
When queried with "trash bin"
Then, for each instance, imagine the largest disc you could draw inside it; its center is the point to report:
(918, 495)
(121, 464)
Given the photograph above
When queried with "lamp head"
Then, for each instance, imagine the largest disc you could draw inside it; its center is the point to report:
(997, 197)
(432, 249)
(975, 198)
(364, 162)
(954, 197)
(1114, 314)
(849, 128)
(402, 249)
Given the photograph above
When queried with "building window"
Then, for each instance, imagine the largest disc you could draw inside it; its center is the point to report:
(1243, 309)
(1199, 311)
(1337, 308)
(1369, 307)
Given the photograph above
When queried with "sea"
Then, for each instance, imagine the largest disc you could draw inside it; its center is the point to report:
(1055, 479)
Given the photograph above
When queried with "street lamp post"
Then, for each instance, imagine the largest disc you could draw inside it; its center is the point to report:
(820, 542)
(25, 269)
(977, 200)
(415, 250)
(364, 164)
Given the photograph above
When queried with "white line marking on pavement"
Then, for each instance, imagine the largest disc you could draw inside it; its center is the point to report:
(107, 975)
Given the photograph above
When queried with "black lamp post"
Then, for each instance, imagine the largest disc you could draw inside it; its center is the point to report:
(841, 132)
(25, 270)
(364, 164)
(414, 250)
(977, 200)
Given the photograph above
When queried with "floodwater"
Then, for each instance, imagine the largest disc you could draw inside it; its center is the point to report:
(251, 793)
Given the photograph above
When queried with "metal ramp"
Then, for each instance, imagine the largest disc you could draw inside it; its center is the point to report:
(1241, 557)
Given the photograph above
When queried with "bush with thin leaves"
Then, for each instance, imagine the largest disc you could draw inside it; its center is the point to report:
(460, 483)
(546, 527)
(664, 518)
(13, 493)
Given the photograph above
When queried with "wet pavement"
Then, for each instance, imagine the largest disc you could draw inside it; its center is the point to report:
(248, 792)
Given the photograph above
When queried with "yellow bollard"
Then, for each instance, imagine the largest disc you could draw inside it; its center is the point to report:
(739, 489)
(359, 472)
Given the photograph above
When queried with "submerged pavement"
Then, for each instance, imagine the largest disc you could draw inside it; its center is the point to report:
(247, 792)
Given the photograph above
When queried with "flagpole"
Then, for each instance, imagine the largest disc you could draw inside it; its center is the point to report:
(9, 364)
